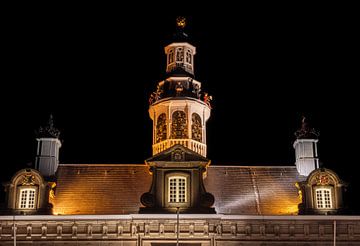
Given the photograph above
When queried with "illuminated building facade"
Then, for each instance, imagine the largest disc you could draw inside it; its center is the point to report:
(177, 196)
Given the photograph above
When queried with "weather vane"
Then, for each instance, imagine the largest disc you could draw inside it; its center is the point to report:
(181, 22)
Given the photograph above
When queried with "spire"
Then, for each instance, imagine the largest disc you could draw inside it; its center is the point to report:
(48, 131)
(180, 35)
(306, 132)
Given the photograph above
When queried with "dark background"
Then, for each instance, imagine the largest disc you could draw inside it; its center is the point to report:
(94, 67)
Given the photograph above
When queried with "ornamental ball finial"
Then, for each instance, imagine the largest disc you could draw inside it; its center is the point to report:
(181, 22)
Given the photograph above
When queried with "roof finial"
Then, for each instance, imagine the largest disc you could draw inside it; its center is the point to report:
(306, 131)
(49, 130)
(181, 22)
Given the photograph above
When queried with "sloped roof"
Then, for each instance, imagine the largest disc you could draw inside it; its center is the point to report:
(254, 190)
(116, 189)
(100, 189)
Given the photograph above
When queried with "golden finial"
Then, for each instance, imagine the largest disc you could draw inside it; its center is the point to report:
(181, 22)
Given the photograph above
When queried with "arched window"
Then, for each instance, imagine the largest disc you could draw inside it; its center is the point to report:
(179, 125)
(171, 56)
(161, 128)
(179, 54)
(188, 57)
(323, 197)
(196, 127)
(27, 198)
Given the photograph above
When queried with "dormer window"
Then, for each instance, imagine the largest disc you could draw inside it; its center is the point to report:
(323, 198)
(321, 193)
(27, 198)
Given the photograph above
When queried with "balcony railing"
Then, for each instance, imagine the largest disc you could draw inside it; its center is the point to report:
(195, 146)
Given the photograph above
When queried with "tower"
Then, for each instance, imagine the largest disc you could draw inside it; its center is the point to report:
(178, 108)
(48, 145)
(305, 145)
(179, 111)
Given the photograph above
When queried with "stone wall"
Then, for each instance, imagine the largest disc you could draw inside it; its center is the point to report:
(150, 230)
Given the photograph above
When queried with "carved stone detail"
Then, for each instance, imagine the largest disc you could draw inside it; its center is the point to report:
(28, 179)
(89, 231)
(43, 231)
(28, 231)
(120, 230)
(59, 231)
(74, 231)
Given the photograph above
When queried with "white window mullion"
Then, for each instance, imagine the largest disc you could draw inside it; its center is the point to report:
(27, 198)
(177, 189)
(323, 198)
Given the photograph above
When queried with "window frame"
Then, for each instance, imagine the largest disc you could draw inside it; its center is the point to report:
(322, 189)
(177, 191)
(19, 197)
(178, 175)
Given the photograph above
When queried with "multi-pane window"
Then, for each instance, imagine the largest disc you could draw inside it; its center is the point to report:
(323, 198)
(27, 198)
(177, 189)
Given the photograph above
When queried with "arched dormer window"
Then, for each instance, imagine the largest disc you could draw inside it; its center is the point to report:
(321, 193)
(28, 193)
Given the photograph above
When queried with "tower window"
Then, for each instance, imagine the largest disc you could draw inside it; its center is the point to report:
(179, 125)
(27, 198)
(177, 189)
(179, 55)
(188, 57)
(171, 56)
(196, 128)
(323, 198)
(161, 128)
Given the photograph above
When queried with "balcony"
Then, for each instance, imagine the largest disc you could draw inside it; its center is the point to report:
(195, 146)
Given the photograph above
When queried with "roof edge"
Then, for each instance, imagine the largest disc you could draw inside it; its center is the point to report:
(100, 165)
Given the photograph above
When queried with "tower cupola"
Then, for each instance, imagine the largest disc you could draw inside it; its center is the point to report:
(178, 107)
(305, 145)
(47, 153)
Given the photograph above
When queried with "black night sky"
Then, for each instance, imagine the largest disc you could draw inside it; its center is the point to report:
(94, 68)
